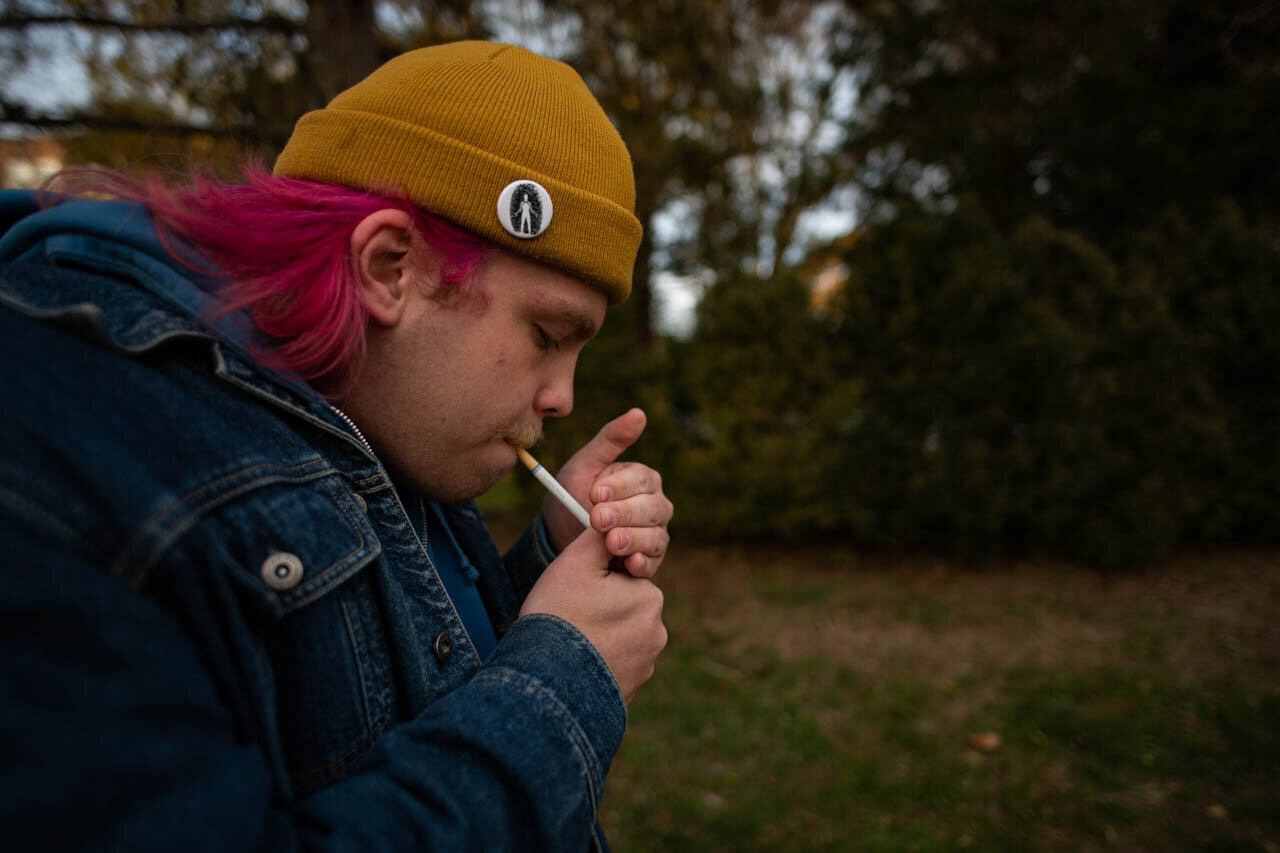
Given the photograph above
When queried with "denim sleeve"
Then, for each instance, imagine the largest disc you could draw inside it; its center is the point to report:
(117, 736)
(538, 724)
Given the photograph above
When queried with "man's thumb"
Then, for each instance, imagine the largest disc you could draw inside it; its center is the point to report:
(613, 438)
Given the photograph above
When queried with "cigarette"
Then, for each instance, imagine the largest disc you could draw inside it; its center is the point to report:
(553, 485)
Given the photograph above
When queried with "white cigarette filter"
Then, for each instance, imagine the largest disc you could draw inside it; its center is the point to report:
(553, 485)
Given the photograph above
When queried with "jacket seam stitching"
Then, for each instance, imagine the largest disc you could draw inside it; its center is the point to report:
(183, 512)
(64, 528)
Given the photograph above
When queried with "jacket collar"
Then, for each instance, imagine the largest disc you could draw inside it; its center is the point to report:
(120, 238)
(138, 290)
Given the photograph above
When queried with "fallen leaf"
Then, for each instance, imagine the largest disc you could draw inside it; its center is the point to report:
(985, 741)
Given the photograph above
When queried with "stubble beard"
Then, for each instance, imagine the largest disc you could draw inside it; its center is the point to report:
(471, 482)
(520, 433)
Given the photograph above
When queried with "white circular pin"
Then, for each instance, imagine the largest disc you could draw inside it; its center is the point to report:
(524, 209)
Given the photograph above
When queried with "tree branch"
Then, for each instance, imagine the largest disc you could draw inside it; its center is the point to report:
(269, 24)
(12, 113)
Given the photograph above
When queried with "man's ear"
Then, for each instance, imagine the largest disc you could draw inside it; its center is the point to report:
(381, 247)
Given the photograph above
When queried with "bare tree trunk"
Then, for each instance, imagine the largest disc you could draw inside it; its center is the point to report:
(642, 295)
(647, 195)
(343, 46)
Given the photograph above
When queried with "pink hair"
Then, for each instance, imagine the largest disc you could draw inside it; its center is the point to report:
(282, 244)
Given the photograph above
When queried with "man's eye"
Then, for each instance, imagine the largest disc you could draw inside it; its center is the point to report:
(544, 340)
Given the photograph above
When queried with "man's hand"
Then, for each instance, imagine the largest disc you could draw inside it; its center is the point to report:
(621, 615)
(625, 499)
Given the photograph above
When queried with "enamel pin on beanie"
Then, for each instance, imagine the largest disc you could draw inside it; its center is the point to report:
(525, 209)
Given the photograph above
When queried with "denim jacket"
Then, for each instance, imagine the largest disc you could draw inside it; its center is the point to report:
(221, 631)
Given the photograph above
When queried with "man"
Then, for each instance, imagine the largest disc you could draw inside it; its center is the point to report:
(247, 601)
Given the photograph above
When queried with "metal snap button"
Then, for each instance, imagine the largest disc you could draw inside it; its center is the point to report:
(282, 571)
(443, 647)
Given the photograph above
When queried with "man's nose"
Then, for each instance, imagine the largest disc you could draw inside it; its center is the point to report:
(555, 397)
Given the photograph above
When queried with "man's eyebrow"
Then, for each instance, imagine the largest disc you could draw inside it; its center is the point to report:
(584, 328)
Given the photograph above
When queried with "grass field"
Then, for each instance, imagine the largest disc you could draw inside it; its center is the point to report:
(824, 701)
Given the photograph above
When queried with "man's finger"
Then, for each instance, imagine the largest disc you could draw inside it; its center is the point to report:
(623, 480)
(613, 438)
(638, 565)
(650, 541)
(644, 510)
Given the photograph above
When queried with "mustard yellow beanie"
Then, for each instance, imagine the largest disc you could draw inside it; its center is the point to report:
(508, 144)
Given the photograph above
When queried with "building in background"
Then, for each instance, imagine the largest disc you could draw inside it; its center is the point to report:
(27, 162)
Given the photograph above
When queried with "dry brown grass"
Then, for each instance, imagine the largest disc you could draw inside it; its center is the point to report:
(949, 622)
(817, 698)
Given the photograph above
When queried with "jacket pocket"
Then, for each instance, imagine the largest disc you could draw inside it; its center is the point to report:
(299, 550)
(334, 695)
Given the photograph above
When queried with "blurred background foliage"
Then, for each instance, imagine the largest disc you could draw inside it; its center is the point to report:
(992, 278)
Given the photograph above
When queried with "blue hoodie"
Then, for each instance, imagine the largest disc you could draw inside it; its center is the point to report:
(119, 237)
(221, 630)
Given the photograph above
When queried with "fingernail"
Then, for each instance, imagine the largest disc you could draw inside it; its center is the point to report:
(609, 517)
(624, 541)
(604, 493)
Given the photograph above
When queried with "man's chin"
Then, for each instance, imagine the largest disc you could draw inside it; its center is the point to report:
(470, 485)
(493, 479)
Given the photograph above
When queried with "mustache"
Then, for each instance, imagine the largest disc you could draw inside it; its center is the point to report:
(520, 433)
